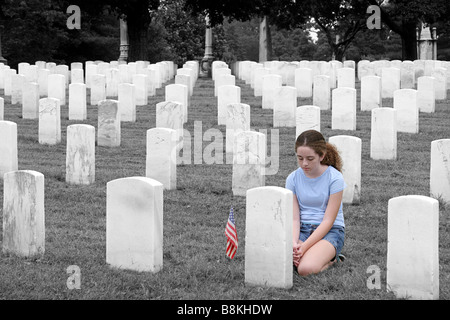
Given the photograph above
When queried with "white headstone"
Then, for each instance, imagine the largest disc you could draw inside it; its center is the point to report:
(248, 161)
(346, 77)
(304, 82)
(80, 154)
(185, 80)
(179, 93)
(76, 76)
(370, 93)
(8, 81)
(307, 117)
(63, 69)
(413, 247)
(8, 147)
(349, 64)
(151, 81)
(91, 69)
(226, 95)
(429, 67)
(270, 85)
(112, 82)
(77, 101)
(440, 83)
(124, 76)
(284, 107)
(169, 114)
(223, 80)
(440, 170)
(349, 148)
(343, 111)
(24, 213)
(405, 102)
(109, 133)
(258, 80)
(407, 75)
(364, 68)
(188, 72)
(383, 134)
(17, 83)
(49, 121)
(390, 81)
(268, 237)
(141, 89)
(322, 92)
(57, 88)
(98, 88)
(30, 100)
(161, 161)
(127, 102)
(426, 94)
(134, 224)
(238, 120)
(43, 82)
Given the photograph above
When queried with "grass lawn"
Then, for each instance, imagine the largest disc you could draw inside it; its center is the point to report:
(195, 214)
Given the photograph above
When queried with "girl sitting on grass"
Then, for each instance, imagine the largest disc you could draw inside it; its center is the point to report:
(318, 184)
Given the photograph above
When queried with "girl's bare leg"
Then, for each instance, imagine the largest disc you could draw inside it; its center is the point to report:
(317, 258)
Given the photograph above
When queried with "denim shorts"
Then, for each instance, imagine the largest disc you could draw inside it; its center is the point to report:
(335, 236)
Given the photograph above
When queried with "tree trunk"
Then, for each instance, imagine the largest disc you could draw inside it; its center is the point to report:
(338, 52)
(265, 41)
(138, 21)
(409, 41)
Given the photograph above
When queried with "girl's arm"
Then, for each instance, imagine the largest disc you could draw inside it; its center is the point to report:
(334, 202)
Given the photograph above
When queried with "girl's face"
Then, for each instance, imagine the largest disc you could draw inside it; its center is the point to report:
(309, 160)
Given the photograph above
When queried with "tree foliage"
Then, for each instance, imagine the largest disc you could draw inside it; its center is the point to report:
(36, 30)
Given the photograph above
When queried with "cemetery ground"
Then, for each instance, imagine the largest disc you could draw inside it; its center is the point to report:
(195, 265)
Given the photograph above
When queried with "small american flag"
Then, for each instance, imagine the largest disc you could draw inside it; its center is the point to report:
(230, 232)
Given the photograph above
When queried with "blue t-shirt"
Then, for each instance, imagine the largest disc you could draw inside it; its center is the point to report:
(313, 194)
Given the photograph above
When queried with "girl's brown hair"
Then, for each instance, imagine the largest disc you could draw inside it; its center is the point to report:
(315, 140)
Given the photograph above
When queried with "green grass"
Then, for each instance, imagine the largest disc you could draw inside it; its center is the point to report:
(195, 265)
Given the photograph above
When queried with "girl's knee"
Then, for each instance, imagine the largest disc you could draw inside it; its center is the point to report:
(305, 269)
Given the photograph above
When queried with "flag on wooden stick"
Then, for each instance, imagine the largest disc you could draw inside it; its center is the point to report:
(230, 232)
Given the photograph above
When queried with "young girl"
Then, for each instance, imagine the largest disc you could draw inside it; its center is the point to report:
(318, 235)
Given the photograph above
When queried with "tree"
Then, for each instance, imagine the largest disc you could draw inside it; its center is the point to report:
(36, 30)
(137, 13)
(338, 19)
(292, 45)
(404, 16)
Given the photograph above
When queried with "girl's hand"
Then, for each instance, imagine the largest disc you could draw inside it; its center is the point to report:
(297, 253)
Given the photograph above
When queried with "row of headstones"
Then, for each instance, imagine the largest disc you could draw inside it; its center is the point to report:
(342, 101)
(268, 249)
(169, 114)
(390, 80)
(129, 95)
(248, 149)
(134, 234)
(383, 142)
(410, 71)
(114, 71)
(163, 144)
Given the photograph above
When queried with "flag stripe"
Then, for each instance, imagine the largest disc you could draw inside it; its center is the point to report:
(231, 234)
